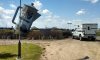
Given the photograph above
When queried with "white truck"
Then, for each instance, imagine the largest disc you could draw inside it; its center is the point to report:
(86, 30)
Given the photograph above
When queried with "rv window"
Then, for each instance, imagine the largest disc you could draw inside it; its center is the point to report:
(80, 31)
(88, 28)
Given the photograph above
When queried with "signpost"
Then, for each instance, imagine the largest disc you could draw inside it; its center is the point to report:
(19, 42)
(69, 25)
(28, 14)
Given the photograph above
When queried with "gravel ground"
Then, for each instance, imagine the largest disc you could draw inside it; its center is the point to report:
(70, 49)
(66, 49)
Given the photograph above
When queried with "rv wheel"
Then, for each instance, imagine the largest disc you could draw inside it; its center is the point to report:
(73, 37)
(80, 38)
(93, 39)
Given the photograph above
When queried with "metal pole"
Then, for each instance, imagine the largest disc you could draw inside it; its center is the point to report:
(19, 42)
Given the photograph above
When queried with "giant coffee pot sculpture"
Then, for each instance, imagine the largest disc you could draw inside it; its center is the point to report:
(28, 14)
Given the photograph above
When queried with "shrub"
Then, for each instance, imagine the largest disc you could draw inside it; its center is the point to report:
(98, 33)
(34, 34)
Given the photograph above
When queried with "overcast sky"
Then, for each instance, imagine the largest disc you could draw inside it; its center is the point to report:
(54, 13)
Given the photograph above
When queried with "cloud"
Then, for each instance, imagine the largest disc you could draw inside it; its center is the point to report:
(13, 6)
(38, 4)
(46, 11)
(92, 1)
(6, 11)
(81, 12)
(6, 17)
(1, 10)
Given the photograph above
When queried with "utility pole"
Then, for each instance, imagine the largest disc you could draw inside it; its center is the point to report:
(69, 25)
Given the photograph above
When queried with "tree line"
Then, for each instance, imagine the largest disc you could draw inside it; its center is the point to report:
(35, 33)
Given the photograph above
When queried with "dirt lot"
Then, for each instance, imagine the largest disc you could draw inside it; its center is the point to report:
(66, 49)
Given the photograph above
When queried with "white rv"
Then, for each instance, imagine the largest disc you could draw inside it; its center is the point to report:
(86, 30)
